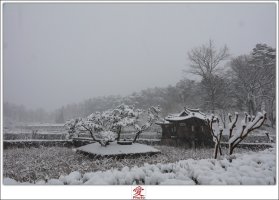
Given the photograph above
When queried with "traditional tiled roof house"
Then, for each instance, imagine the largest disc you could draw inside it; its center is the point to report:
(187, 128)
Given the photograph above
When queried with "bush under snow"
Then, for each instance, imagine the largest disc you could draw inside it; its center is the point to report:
(253, 168)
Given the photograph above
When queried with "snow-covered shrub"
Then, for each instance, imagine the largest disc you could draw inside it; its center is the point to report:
(54, 182)
(73, 178)
(9, 181)
(247, 169)
(40, 182)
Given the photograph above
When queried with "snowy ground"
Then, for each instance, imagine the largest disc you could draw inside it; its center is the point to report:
(115, 149)
(246, 168)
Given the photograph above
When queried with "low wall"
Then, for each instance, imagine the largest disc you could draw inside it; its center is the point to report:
(249, 139)
(81, 142)
(36, 143)
(187, 143)
(251, 146)
(34, 136)
(149, 142)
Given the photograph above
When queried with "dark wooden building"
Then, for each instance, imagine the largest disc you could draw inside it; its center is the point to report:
(188, 128)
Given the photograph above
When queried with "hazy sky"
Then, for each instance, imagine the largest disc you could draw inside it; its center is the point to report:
(55, 54)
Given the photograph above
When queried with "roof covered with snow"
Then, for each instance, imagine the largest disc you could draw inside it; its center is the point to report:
(187, 113)
(163, 122)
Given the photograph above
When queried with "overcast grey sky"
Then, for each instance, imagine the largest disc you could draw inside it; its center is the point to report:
(55, 54)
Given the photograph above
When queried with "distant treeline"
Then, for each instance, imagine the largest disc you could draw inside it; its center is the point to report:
(243, 83)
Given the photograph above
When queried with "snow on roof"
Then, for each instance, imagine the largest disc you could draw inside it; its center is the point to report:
(186, 114)
(163, 122)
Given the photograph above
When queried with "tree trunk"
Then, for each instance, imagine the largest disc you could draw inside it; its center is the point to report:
(231, 150)
(213, 101)
(216, 150)
(272, 120)
(118, 133)
(193, 144)
(137, 135)
(220, 150)
(251, 107)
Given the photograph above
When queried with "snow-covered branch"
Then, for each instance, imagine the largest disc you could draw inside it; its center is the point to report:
(248, 124)
(71, 126)
(153, 116)
(216, 133)
(105, 127)
(236, 132)
(232, 123)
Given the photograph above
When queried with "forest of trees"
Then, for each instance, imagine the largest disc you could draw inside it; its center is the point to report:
(223, 84)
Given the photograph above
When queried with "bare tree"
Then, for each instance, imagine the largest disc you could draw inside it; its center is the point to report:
(254, 79)
(205, 62)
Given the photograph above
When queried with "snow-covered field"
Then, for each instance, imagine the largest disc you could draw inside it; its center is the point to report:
(249, 168)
